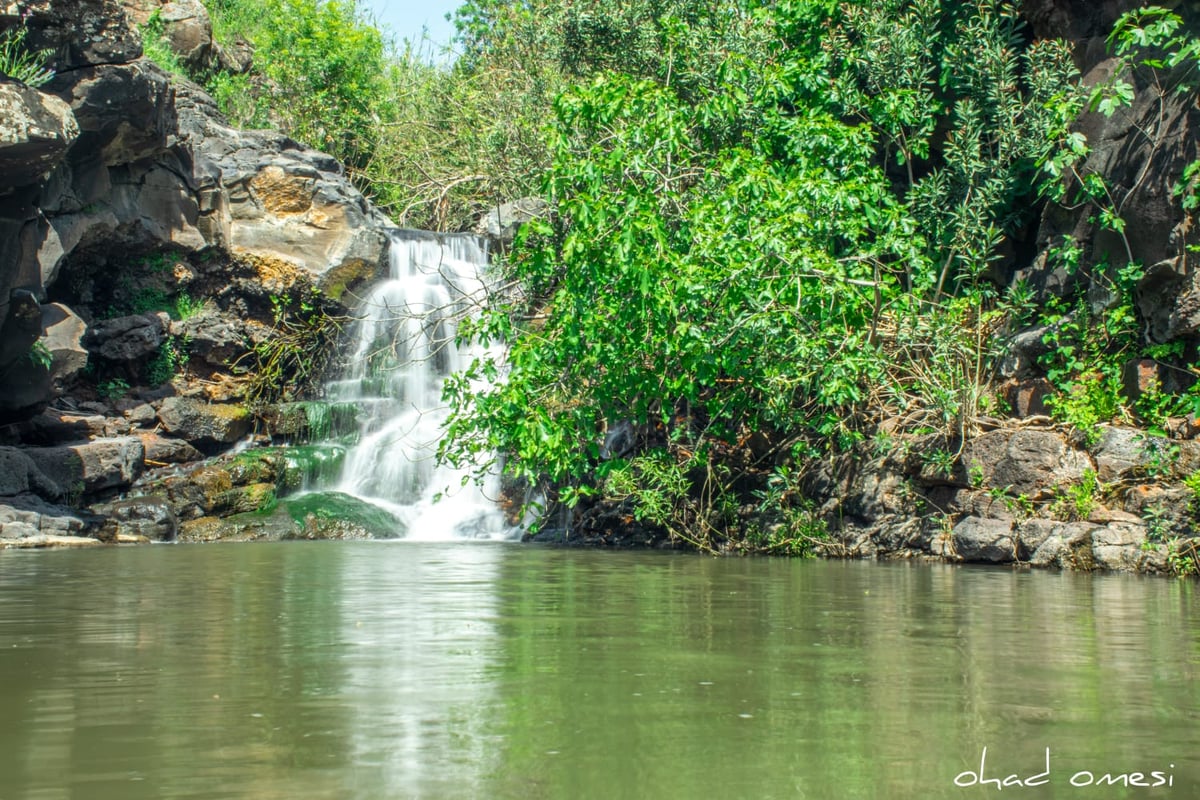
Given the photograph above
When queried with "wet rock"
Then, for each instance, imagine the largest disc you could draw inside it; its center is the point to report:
(198, 493)
(150, 517)
(327, 516)
(991, 540)
(198, 421)
(36, 130)
(129, 339)
(161, 450)
(247, 499)
(1031, 533)
(28, 515)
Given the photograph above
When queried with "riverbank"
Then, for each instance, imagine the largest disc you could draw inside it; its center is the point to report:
(1026, 493)
(1030, 494)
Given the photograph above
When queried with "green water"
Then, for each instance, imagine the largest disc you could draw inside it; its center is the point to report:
(399, 670)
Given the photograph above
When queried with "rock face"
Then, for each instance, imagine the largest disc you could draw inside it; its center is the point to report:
(113, 159)
(124, 193)
(36, 129)
(1031, 496)
(205, 423)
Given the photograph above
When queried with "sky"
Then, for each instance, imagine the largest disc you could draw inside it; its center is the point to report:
(404, 19)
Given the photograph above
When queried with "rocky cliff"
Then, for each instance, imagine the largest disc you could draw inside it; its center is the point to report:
(148, 255)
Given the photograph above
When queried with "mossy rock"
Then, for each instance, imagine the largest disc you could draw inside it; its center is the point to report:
(311, 420)
(311, 463)
(260, 465)
(323, 515)
(328, 515)
(256, 497)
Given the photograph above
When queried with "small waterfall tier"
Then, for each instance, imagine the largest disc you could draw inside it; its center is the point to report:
(404, 349)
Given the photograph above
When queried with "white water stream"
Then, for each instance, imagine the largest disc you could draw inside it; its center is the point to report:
(405, 348)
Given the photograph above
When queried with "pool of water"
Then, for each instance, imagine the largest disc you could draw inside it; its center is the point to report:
(402, 670)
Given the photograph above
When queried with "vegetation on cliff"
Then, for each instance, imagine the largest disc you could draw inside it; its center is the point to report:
(779, 230)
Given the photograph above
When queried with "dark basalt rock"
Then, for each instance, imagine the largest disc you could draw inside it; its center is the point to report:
(129, 339)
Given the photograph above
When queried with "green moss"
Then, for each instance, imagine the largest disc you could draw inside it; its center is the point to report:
(313, 463)
(260, 465)
(322, 509)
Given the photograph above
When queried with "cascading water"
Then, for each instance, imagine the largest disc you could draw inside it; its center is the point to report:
(404, 350)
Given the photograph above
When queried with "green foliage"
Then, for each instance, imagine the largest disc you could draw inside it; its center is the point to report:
(738, 252)
(167, 362)
(113, 389)
(185, 306)
(21, 64)
(1159, 456)
(156, 47)
(39, 355)
(1183, 557)
(1080, 499)
(291, 361)
(1192, 482)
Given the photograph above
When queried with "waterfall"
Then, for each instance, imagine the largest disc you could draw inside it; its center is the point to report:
(404, 348)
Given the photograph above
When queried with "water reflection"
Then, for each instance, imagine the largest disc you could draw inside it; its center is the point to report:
(446, 671)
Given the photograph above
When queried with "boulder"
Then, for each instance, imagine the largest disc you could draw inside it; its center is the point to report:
(1084, 22)
(215, 338)
(1118, 453)
(501, 224)
(25, 378)
(165, 450)
(63, 338)
(21, 326)
(36, 129)
(138, 518)
(81, 33)
(210, 423)
(1026, 462)
(1068, 546)
(20, 474)
(55, 426)
(125, 112)
(189, 33)
(1031, 533)
(129, 339)
(262, 194)
(91, 466)
(990, 540)
(1118, 546)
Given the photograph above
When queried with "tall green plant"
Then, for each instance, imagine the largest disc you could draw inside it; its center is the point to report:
(18, 62)
(706, 278)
